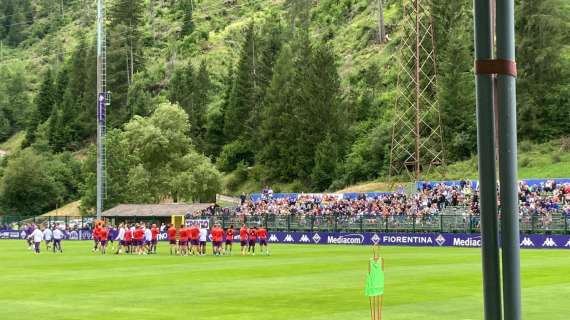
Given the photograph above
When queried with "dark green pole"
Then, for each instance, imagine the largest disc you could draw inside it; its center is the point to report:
(506, 102)
(487, 175)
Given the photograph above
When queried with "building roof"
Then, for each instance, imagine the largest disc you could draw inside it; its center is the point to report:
(155, 210)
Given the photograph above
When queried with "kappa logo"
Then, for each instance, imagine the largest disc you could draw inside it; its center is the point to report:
(375, 239)
(316, 238)
(273, 238)
(304, 239)
(288, 238)
(526, 242)
(567, 244)
(549, 243)
(440, 240)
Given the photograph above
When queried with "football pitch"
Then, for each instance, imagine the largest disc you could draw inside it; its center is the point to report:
(295, 282)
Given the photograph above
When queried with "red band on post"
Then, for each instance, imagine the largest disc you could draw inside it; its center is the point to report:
(497, 66)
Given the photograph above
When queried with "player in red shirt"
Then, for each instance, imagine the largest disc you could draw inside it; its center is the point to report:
(262, 235)
(194, 238)
(139, 239)
(217, 238)
(103, 237)
(128, 240)
(243, 239)
(171, 233)
(154, 232)
(252, 235)
(95, 235)
(183, 241)
(229, 239)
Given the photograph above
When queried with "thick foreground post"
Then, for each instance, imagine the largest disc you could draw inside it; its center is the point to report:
(487, 175)
(508, 162)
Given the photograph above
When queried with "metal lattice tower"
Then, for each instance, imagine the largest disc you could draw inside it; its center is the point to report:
(417, 140)
(102, 103)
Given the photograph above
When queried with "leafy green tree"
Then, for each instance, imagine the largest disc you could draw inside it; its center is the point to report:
(153, 160)
(34, 183)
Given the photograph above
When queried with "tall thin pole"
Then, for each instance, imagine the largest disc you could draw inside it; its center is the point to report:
(487, 174)
(381, 30)
(418, 90)
(101, 105)
(506, 98)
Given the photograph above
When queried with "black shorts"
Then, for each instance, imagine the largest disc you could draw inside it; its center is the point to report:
(251, 243)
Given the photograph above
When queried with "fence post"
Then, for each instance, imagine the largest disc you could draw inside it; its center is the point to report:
(566, 217)
(312, 223)
(414, 223)
(441, 223)
(361, 224)
(288, 223)
(532, 223)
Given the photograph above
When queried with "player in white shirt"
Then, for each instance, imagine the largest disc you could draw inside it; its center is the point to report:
(203, 237)
(37, 236)
(147, 239)
(121, 238)
(57, 237)
(48, 235)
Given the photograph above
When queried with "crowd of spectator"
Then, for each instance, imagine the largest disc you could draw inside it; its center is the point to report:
(428, 201)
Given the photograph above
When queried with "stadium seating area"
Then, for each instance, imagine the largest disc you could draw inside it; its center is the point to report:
(431, 199)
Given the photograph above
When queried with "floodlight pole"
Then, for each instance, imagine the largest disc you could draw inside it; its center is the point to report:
(507, 121)
(487, 174)
(503, 69)
(101, 105)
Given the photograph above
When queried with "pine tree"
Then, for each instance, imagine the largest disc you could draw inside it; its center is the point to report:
(542, 93)
(324, 171)
(455, 78)
(215, 138)
(279, 125)
(43, 105)
(187, 8)
(125, 54)
(243, 97)
(201, 96)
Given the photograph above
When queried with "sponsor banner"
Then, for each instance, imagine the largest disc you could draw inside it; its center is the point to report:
(535, 241)
(531, 241)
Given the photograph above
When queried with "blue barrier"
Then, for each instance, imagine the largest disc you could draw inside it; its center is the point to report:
(461, 240)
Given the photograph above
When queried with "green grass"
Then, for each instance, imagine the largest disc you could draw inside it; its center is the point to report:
(295, 282)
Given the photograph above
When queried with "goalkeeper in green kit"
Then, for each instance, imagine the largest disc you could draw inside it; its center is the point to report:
(375, 284)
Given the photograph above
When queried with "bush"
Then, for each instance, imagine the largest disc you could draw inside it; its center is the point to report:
(565, 144)
(525, 162)
(556, 157)
(234, 153)
(525, 146)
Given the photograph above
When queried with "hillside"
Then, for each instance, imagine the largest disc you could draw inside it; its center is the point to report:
(293, 93)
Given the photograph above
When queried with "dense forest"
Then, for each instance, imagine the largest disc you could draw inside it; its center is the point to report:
(289, 91)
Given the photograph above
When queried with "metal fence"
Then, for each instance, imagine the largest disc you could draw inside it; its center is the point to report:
(451, 221)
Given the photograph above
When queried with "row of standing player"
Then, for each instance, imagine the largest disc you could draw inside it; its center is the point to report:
(135, 239)
(192, 240)
(35, 237)
(138, 239)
